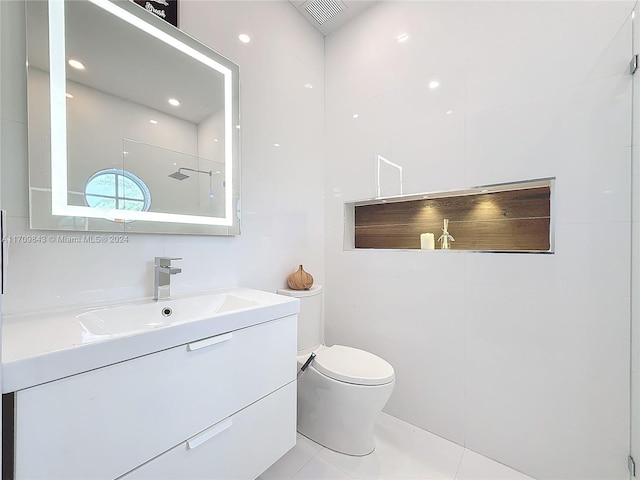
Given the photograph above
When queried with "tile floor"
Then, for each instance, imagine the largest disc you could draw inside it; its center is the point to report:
(403, 452)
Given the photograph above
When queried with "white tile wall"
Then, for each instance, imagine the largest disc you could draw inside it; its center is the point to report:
(282, 188)
(523, 358)
(582, 125)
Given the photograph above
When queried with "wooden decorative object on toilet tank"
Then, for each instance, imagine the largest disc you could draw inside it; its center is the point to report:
(300, 280)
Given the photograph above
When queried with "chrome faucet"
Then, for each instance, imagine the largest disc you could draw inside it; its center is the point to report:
(162, 277)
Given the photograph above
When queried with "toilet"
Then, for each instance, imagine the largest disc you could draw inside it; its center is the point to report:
(343, 389)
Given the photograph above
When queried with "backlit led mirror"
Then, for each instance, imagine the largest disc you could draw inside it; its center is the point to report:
(133, 125)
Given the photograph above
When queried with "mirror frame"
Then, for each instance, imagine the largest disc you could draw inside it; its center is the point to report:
(139, 18)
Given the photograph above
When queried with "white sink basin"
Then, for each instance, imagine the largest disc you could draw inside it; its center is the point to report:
(40, 347)
(134, 318)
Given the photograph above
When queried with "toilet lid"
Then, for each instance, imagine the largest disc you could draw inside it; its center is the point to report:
(351, 365)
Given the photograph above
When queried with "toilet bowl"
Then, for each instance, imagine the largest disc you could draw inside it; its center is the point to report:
(343, 389)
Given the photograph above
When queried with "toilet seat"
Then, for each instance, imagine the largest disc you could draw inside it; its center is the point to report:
(351, 365)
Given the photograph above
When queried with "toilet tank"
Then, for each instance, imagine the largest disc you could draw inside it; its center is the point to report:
(310, 316)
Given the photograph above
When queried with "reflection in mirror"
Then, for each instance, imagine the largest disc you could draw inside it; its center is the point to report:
(120, 103)
(117, 189)
(192, 185)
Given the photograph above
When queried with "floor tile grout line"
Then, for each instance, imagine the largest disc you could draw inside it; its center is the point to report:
(337, 467)
(455, 476)
(347, 473)
(302, 466)
(333, 464)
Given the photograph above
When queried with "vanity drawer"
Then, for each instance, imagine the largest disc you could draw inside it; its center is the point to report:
(240, 447)
(106, 422)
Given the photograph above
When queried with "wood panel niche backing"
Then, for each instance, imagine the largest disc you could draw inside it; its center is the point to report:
(511, 220)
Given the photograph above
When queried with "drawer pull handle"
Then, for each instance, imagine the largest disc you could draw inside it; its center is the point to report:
(217, 429)
(207, 342)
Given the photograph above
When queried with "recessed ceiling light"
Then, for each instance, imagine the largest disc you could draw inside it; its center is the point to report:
(356, 115)
(68, 95)
(215, 139)
(175, 102)
(78, 65)
(155, 122)
(403, 37)
(449, 112)
(434, 84)
(308, 85)
(276, 144)
(244, 38)
(238, 127)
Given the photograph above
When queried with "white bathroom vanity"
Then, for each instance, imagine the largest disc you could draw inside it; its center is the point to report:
(199, 386)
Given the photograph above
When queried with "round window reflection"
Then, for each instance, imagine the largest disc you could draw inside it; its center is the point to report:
(117, 189)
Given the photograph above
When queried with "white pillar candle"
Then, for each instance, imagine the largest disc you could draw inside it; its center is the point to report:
(427, 241)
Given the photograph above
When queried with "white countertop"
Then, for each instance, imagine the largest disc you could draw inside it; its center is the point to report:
(44, 346)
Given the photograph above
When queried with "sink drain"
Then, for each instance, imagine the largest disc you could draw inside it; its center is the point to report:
(166, 311)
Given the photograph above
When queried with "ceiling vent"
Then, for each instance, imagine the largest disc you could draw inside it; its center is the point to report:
(323, 10)
(328, 15)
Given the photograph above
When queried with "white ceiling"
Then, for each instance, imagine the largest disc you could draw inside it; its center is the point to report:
(115, 53)
(352, 10)
(109, 69)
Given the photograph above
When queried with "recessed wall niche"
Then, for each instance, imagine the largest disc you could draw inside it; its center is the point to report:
(514, 217)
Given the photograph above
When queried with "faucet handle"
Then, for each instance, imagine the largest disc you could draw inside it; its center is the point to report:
(165, 261)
